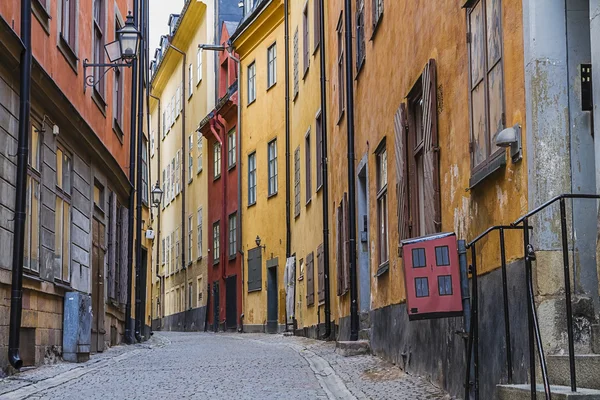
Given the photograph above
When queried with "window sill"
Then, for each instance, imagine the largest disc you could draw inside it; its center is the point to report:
(230, 167)
(29, 275)
(295, 95)
(271, 195)
(317, 47)
(305, 72)
(319, 188)
(297, 215)
(216, 178)
(199, 82)
(310, 305)
(99, 101)
(254, 290)
(359, 68)
(198, 172)
(251, 102)
(383, 268)
(68, 53)
(116, 127)
(308, 202)
(496, 162)
(376, 25)
(272, 86)
(232, 257)
(42, 15)
(190, 181)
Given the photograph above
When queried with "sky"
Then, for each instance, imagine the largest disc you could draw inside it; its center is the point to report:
(159, 17)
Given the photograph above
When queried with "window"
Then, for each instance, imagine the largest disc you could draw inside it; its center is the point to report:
(297, 182)
(168, 254)
(216, 242)
(319, 131)
(164, 124)
(251, 83)
(199, 290)
(164, 249)
(152, 141)
(199, 155)
(177, 249)
(296, 61)
(178, 101)
(248, 6)
(231, 156)
(68, 22)
(422, 287)
(307, 166)
(305, 46)
(190, 80)
(31, 253)
(99, 196)
(272, 150)
(144, 171)
(199, 232)
(418, 258)
(232, 235)
(178, 167)
(310, 279)
(191, 158)
(172, 105)
(317, 23)
(340, 66)
(167, 194)
(377, 11)
(360, 34)
(198, 66)
(486, 83)
(118, 91)
(190, 295)
(98, 28)
(190, 238)
(252, 179)
(217, 160)
(272, 65)
(382, 205)
(62, 217)
(445, 285)
(442, 256)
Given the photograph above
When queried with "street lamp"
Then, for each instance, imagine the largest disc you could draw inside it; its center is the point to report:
(257, 241)
(124, 49)
(157, 195)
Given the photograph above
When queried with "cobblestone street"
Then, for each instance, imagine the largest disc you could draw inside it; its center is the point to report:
(221, 366)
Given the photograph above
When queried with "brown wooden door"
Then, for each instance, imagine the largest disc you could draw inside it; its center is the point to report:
(98, 252)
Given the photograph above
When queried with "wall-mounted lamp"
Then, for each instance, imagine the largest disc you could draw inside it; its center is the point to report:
(511, 137)
(258, 240)
(157, 195)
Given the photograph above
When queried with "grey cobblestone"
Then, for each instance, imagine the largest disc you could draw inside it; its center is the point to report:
(221, 366)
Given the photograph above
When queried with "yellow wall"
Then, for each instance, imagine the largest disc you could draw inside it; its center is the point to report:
(395, 58)
(263, 121)
(307, 228)
(191, 32)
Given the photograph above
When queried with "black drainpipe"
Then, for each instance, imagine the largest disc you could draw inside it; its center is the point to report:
(325, 183)
(288, 231)
(16, 298)
(351, 176)
(132, 142)
(139, 313)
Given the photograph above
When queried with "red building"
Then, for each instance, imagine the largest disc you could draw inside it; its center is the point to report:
(225, 261)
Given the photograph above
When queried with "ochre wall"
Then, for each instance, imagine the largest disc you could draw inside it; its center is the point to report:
(395, 58)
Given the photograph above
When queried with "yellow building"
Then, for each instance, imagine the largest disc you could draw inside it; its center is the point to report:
(183, 90)
(259, 41)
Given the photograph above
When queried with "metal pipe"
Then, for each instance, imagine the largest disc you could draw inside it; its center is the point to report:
(528, 278)
(354, 321)
(565, 250)
(131, 220)
(16, 297)
(138, 223)
(475, 322)
(506, 311)
(466, 301)
(288, 229)
(322, 58)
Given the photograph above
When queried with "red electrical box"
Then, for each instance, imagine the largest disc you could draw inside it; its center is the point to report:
(432, 277)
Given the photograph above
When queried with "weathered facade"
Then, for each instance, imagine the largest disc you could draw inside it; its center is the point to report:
(77, 187)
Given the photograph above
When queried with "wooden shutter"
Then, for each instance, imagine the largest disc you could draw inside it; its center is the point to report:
(431, 150)
(124, 264)
(112, 237)
(321, 273)
(310, 279)
(250, 270)
(346, 230)
(340, 252)
(400, 123)
(254, 269)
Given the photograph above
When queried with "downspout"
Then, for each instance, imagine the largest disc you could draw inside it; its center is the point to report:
(288, 230)
(354, 322)
(325, 175)
(138, 223)
(224, 173)
(158, 211)
(183, 182)
(16, 298)
(132, 143)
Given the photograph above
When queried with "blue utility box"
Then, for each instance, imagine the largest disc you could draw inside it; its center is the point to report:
(77, 327)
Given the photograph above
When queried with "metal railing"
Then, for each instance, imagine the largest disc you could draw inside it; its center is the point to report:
(535, 341)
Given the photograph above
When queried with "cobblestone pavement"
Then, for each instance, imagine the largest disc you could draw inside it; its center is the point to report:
(221, 366)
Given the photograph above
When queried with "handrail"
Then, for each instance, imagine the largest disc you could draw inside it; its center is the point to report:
(490, 230)
(554, 200)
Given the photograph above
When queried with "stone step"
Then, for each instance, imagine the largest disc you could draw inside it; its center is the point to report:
(587, 370)
(349, 349)
(364, 334)
(596, 338)
(523, 392)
